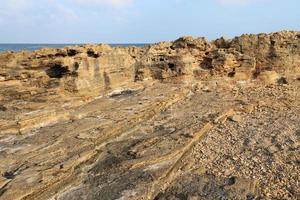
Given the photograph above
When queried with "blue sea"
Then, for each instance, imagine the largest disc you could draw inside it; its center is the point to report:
(33, 47)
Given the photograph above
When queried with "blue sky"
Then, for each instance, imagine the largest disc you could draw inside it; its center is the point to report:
(140, 21)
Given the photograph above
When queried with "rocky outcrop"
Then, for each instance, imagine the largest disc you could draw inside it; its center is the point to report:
(77, 69)
(188, 119)
(95, 68)
(277, 51)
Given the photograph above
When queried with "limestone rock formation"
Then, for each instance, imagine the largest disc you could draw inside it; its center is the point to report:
(94, 68)
(97, 122)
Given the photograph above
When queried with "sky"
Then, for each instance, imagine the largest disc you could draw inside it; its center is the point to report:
(141, 21)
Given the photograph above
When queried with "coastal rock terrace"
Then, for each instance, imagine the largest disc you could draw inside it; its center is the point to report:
(190, 119)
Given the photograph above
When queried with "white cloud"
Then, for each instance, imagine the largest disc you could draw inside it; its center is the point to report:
(45, 12)
(13, 10)
(32, 12)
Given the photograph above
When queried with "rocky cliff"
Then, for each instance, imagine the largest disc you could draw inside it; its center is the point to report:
(97, 122)
(94, 69)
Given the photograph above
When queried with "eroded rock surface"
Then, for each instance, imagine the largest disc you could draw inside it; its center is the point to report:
(189, 119)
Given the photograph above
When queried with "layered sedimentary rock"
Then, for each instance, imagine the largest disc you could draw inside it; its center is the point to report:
(189, 119)
(96, 68)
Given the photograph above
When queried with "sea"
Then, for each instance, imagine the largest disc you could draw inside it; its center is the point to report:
(33, 47)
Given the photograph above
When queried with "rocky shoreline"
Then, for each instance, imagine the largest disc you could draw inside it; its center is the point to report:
(189, 119)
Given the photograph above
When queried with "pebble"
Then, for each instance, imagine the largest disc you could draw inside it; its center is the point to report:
(236, 118)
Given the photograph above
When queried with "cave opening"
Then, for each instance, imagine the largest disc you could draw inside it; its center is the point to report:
(57, 71)
(92, 54)
(206, 63)
(72, 52)
(172, 66)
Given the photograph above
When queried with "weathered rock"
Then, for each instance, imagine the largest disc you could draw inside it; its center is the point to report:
(277, 51)
(86, 69)
(210, 187)
(236, 118)
(268, 77)
(97, 122)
